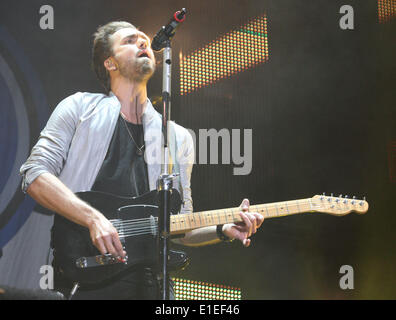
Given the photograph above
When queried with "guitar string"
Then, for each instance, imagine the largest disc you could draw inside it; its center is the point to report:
(144, 223)
(144, 220)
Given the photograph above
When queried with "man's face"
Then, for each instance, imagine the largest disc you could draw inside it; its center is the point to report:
(133, 54)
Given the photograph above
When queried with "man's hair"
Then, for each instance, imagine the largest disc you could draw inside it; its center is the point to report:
(102, 49)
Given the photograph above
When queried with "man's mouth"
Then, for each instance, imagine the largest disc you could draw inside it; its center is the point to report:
(143, 54)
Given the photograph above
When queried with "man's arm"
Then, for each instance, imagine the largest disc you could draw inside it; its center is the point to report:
(208, 235)
(241, 231)
(40, 171)
(51, 193)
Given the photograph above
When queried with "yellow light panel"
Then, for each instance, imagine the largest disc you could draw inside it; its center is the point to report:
(386, 10)
(236, 51)
(196, 290)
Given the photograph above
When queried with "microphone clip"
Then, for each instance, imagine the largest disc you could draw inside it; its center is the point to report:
(165, 34)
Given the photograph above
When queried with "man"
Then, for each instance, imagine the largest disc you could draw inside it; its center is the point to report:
(97, 142)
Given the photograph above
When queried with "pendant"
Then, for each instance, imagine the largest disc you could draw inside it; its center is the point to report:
(139, 152)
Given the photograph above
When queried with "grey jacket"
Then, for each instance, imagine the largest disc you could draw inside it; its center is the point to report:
(74, 143)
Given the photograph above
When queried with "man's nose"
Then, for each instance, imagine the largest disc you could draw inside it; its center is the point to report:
(142, 43)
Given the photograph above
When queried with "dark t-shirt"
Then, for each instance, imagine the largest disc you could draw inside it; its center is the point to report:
(123, 171)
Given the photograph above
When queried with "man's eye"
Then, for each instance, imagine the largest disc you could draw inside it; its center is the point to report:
(131, 40)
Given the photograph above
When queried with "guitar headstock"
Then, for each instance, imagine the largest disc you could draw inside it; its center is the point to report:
(338, 206)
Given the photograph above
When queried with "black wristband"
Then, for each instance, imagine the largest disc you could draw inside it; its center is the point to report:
(221, 235)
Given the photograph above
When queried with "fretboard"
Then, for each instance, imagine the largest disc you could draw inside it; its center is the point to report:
(182, 223)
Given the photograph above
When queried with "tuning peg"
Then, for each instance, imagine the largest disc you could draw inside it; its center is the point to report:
(331, 194)
(362, 202)
(323, 195)
(346, 197)
(353, 201)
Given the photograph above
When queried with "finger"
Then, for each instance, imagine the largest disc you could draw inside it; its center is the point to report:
(252, 218)
(100, 245)
(260, 219)
(108, 241)
(248, 224)
(253, 221)
(118, 245)
(245, 205)
(246, 242)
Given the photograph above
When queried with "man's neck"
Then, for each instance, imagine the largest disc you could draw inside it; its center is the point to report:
(133, 99)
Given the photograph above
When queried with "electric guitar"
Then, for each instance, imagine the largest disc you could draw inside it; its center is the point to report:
(136, 220)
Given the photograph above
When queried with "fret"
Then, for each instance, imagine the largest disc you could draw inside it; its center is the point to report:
(266, 208)
(299, 210)
(208, 217)
(232, 214)
(287, 208)
(281, 208)
(182, 221)
(276, 206)
(191, 220)
(226, 220)
(213, 217)
(200, 220)
(310, 204)
(203, 219)
(218, 218)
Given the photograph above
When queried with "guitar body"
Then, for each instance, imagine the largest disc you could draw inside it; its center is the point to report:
(135, 220)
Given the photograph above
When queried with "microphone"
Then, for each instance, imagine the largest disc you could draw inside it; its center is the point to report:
(167, 32)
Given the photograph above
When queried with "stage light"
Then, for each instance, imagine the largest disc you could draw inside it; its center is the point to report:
(196, 290)
(386, 10)
(236, 51)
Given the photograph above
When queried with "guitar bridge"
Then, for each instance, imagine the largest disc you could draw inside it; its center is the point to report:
(99, 260)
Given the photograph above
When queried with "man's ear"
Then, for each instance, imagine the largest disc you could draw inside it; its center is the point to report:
(110, 65)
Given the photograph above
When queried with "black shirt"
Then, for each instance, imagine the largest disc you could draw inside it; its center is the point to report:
(123, 171)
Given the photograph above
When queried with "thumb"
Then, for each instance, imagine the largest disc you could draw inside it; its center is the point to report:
(245, 205)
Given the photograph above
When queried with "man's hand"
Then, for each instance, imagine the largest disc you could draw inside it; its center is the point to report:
(105, 237)
(243, 230)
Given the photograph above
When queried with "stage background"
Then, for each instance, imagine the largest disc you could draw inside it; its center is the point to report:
(322, 111)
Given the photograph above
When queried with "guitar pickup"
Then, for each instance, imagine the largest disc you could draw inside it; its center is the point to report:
(99, 260)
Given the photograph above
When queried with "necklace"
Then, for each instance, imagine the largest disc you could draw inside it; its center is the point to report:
(139, 151)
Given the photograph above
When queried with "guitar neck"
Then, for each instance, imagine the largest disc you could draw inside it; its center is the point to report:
(182, 223)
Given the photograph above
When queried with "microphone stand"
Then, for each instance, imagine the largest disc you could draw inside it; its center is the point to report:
(165, 180)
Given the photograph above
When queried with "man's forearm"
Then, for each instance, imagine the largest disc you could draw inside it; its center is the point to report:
(199, 237)
(51, 193)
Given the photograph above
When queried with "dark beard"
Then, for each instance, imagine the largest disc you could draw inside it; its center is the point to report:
(138, 70)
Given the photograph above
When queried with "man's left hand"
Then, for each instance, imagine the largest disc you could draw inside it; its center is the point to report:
(245, 229)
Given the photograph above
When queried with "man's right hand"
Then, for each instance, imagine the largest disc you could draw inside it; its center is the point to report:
(51, 193)
(105, 237)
